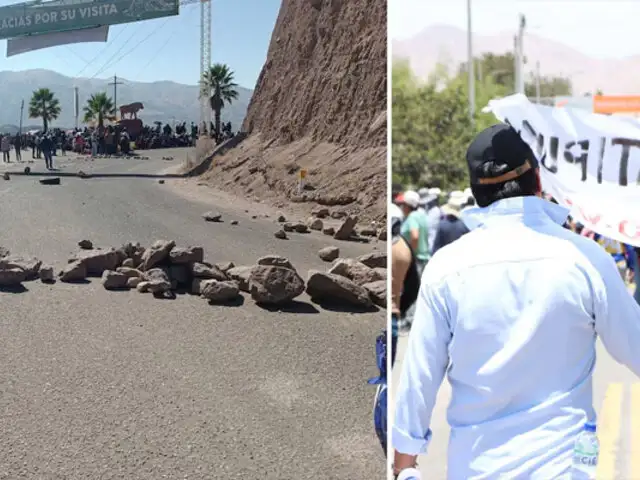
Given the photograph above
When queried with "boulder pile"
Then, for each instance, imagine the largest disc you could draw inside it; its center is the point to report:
(346, 230)
(15, 269)
(164, 269)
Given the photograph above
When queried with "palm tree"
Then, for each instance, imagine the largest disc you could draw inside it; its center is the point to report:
(99, 107)
(218, 83)
(44, 105)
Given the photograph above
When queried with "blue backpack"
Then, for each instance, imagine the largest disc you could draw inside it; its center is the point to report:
(380, 399)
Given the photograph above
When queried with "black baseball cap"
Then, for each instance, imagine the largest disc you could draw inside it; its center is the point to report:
(500, 145)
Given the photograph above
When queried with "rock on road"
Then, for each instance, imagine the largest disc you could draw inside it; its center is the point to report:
(119, 385)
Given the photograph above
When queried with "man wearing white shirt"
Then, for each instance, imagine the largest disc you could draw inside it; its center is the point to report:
(510, 313)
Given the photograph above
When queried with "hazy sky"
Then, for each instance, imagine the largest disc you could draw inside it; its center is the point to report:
(166, 49)
(595, 27)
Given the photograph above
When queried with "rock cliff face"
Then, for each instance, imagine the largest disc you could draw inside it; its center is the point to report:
(325, 74)
(319, 105)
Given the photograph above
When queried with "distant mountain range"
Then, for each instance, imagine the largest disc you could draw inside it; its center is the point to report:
(448, 45)
(163, 100)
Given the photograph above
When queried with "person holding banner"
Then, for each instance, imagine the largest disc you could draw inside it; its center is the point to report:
(511, 312)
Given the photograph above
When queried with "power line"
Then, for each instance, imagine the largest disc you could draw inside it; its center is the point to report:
(110, 64)
(76, 54)
(155, 54)
(126, 42)
(103, 50)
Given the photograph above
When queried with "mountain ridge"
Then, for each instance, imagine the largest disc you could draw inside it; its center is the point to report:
(448, 44)
(163, 100)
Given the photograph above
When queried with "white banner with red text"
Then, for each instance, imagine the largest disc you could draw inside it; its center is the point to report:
(588, 162)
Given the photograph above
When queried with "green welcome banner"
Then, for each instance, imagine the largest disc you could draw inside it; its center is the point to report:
(47, 17)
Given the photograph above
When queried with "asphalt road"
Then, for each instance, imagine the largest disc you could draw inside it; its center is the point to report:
(616, 397)
(119, 385)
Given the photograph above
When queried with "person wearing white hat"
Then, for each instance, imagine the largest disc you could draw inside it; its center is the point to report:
(415, 228)
(429, 203)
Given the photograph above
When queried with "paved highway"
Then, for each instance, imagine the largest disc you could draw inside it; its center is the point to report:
(119, 385)
(616, 396)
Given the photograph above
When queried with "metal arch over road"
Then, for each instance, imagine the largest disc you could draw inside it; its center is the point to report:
(48, 17)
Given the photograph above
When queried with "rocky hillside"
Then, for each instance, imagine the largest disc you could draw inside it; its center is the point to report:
(319, 105)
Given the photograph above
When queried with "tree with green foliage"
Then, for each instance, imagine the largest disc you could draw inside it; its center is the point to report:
(44, 105)
(431, 127)
(218, 83)
(99, 108)
(501, 70)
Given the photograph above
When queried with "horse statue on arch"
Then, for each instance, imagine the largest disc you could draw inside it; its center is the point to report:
(131, 110)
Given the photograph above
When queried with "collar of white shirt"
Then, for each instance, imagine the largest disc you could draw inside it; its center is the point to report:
(516, 207)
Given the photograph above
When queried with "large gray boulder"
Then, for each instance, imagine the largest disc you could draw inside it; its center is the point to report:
(202, 270)
(219, 292)
(275, 261)
(46, 274)
(158, 281)
(130, 272)
(274, 285)
(347, 229)
(329, 254)
(30, 265)
(378, 292)
(156, 254)
(241, 274)
(355, 271)
(374, 259)
(98, 260)
(74, 272)
(10, 277)
(330, 288)
(182, 255)
(114, 280)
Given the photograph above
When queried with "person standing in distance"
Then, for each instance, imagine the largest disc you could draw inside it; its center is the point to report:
(415, 230)
(511, 312)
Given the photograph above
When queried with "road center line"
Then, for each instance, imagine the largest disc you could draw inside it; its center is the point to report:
(635, 432)
(609, 431)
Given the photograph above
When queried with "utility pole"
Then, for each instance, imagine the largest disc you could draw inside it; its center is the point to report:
(21, 114)
(115, 84)
(538, 82)
(76, 106)
(471, 73)
(205, 64)
(516, 64)
(520, 54)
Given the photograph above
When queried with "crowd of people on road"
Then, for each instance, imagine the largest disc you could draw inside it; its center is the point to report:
(429, 220)
(94, 141)
(41, 145)
(107, 140)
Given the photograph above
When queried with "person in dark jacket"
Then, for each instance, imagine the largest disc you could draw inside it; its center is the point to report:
(450, 227)
(46, 146)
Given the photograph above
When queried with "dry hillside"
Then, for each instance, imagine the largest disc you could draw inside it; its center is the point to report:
(448, 45)
(320, 105)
